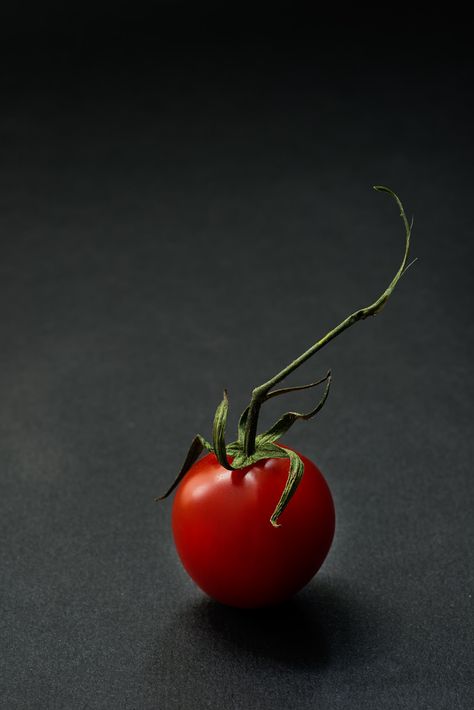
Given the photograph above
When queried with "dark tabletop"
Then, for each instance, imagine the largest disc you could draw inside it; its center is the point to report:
(187, 213)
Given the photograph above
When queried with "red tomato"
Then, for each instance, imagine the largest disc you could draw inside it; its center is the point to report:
(222, 530)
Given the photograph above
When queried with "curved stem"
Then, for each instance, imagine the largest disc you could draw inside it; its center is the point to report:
(259, 393)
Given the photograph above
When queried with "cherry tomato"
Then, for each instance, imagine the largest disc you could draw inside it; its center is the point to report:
(224, 538)
(255, 535)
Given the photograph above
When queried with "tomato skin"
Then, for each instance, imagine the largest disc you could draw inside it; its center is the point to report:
(223, 535)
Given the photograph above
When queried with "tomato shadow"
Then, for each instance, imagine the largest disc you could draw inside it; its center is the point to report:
(325, 624)
(292, 633)
(328, 627)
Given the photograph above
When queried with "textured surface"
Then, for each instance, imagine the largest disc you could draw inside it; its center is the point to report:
(175, 219)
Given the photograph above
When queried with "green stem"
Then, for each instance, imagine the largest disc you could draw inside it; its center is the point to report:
(259, 394)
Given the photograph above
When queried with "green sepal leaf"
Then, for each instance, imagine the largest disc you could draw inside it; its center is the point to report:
(294, 477)
(218, 433)
(234, 448)
(198, 444)
(271, 451)
(242, 424)
(298, 388)
(242, 460)
(287, 420)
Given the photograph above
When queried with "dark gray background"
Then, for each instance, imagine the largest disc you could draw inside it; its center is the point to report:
(183, 209)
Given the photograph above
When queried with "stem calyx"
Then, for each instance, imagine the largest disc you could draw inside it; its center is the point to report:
(250, 446)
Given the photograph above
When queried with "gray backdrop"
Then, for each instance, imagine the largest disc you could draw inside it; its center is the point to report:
(179, 215)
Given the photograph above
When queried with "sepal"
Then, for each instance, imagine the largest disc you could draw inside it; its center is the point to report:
(218, 433)
(198, 444)
(282, 425)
